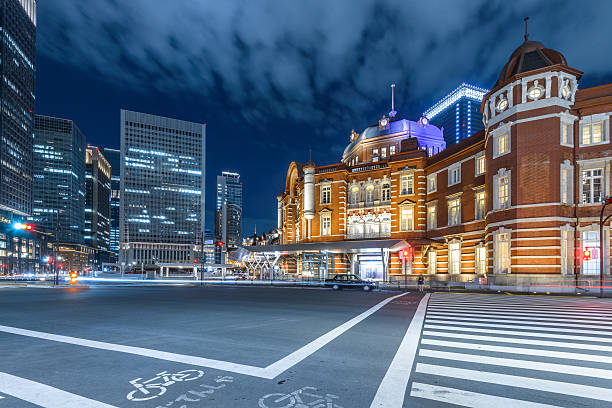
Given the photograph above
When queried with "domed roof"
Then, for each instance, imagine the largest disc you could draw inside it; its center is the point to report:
(529, 56)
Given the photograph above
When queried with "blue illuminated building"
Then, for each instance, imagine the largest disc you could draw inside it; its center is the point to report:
(162, 190)
(58, 204)
(114, 158)
(458, 113)
(228, 212)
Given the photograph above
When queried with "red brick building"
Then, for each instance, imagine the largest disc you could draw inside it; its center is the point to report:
(517, 202)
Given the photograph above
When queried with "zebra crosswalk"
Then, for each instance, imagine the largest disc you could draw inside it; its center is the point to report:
(486, 351)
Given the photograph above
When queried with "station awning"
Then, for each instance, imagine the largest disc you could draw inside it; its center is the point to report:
(351, 247)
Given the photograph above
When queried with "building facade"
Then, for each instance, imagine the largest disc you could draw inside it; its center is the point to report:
(18, 68)
(458, 113)
(162, 189)
(228, 213)
(59, 179)
(114, 158)
(518, 202)
(97, 205)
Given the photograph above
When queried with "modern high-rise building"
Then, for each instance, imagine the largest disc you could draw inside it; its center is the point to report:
(97, 204)
(228, 212)
(162, 189)
(17, 67)
(59, 179)
(114, 158)
(458, 113)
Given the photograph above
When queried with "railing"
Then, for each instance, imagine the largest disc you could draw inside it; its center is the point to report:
(368, 204)
(369, 167)
(327, 170)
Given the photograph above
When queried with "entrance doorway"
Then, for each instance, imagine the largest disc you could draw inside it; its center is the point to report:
(590, 241)
(371, 268)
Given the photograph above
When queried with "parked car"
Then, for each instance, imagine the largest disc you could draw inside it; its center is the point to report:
(342, 281)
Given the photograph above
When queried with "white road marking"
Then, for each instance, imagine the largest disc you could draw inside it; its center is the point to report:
(576, 390)
(515, 317)
(513, 326)
(516, 340)
(516, 312)
(522, 321)
(390, 393)
(520, 333)
(44, 395)
(292, 359)
(268, 372)
(526, 364)
(468, 398)
(497, 306)
(519, 350)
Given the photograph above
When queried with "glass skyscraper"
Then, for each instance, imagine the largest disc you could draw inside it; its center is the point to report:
(97, 204)
(162, 189)
(114, 158)
(458, 113)
(228, 211)
(59, 179)
(18, 69)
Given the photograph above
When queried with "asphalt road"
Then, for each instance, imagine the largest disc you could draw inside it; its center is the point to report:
(184, 347)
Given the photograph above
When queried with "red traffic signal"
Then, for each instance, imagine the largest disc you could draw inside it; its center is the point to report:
(607, 200)
(195, 260)
(220, 244)
(21, 226)
(406, 254)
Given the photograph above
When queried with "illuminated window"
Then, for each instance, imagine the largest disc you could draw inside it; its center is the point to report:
(567, 251)
(592, 186)
(355, 195)
(383, 152)
(432, 216)
(432, 183)
(501, 183)
(325, 224)
(370, 193)
(480, 164)
(481, 260)
(480, 204)
(326, 194)
(391, 150)
(501, 252)
(432, 264)
(454, 174)
(593, 133)
(454, 257)
(406, 184)
(406, 218)
(454, 211)
(386, 192)
(567, 134)
(501, 144)
(567, 183)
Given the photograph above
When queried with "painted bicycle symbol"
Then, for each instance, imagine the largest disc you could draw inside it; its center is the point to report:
(157, 386)
(302, 398)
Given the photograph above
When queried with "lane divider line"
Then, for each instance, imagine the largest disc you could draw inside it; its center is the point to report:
(268, 372)
(391, 391)
(44, 395)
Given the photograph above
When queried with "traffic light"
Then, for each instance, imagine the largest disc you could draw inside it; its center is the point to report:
(20, 226)
(220, 244)
(587, 254)
(73, 277)
(607, 200)
(406, 254)
(195, 260)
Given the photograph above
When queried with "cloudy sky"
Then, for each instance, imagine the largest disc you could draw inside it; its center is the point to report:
(273, 79)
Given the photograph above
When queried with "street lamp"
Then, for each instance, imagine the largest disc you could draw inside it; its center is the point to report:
(602, 221)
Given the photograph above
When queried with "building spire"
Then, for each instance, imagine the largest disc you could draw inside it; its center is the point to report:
(526, 33)
(393, 111)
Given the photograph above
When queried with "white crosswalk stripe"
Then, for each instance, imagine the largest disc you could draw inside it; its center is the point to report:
(505, 351)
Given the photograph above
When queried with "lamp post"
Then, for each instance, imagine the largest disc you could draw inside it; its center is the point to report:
(602, 221)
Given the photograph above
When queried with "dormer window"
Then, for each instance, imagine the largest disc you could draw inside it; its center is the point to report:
(502, 104)
(535, 92)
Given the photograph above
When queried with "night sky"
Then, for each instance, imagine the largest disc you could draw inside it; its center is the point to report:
(273, 79)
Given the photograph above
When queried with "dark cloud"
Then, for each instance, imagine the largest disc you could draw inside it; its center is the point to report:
(300, 74)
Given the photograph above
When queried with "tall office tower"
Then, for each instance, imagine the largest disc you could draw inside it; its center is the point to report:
(59, 179)
(162, 189)
(228, 212)
(114, 158)
(97, 204)
(458, 113)
(17, 67)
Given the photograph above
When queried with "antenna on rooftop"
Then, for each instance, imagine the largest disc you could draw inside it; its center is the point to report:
(393, 111)
(526, 34)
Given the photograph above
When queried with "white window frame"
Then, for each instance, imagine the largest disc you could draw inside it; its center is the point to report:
(369, 193)
(480, 164)
(566, 183)
(325, 193)
(454, 249)
(502, 262)
(568, 140)
(451, 220)
(480, 259)
(432, 215)
(432, 262)
(432, 183)
(588, 122)
(406, 184)
(391, 150)
(496, 141)
(354, 195)
(383, 152)
(480, 194)
(567, 250)
(325, 223)
(406, 217)
(592, 199)
(385, 191)
(454, 174)
(497, 203)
